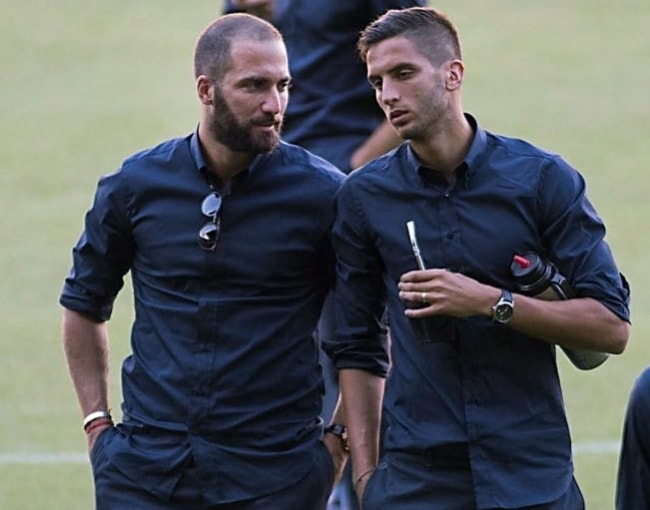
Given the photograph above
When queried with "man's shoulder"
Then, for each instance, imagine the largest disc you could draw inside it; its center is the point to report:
(159, 153)
(519, 147)
(380, 168)
(306, 162)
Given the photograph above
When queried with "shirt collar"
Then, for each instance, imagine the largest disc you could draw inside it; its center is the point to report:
(471, 159)
(202, 166)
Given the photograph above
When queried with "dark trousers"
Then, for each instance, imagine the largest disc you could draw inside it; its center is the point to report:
(116, 491)
(409, 482)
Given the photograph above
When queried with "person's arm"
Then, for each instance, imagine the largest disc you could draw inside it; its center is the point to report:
(363, 393)
(338, 447)
(382, 140)
(260, 8)
(360, 350)
(581, 323)
(85, 344)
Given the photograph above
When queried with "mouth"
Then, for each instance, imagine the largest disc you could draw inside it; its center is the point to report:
(267, 123)
(398, 117)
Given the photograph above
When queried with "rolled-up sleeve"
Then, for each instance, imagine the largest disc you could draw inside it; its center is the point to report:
(575, 236)
(360, 297)
(102, 256)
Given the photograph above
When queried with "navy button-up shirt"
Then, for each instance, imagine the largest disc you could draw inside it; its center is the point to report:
(332, 109)
(223, 356)
(483, 383)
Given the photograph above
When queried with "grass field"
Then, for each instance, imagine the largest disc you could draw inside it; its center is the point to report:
(85, 84)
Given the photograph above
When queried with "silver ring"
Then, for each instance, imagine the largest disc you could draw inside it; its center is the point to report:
(423, 297)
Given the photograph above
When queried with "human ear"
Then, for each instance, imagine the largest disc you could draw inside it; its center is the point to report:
(455, 73)
(204, 89)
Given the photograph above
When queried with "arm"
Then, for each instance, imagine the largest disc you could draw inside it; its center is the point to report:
(85, 344)
(337, 446)
(581, 323)
(382, 140)
(260, 8)
(363, 393)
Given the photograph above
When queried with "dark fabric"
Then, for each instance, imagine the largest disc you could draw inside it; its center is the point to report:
(332, 109)
(439, 479)
(117, 491)
(633, 486)
(222, 344)
(477, 382)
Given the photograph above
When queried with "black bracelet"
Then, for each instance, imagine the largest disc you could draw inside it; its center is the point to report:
(339, 431)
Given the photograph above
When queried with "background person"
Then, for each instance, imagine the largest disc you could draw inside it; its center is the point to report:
(633, 484)
(222, 390)
(475, 411)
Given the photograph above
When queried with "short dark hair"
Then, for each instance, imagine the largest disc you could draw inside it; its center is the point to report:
(212, 56)
(433, 33)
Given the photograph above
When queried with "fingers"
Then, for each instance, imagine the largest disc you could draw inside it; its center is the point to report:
(422, 276)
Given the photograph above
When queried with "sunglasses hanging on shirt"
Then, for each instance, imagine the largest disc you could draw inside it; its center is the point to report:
(209, 233)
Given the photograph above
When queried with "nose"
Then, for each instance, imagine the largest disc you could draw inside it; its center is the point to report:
(273, 102)
(388, 93)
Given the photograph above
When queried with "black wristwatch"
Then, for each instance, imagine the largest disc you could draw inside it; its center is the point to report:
(339, 431)
(504, 308)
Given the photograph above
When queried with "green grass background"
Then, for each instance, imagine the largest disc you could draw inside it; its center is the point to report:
(86, 83)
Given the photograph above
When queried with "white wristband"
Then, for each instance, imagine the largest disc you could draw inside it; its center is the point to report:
(95, 416)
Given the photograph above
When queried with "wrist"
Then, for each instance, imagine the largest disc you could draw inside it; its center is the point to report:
(339, 431)
(96, 418)
(364, 474)
(101, 423)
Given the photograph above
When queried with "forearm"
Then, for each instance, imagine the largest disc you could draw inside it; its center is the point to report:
(260, 8)
(362, 393)
(382, 140)
(581, 323)
(86, 350)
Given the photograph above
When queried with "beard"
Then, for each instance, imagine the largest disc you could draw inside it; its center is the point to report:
(433, 109)
(227, 130)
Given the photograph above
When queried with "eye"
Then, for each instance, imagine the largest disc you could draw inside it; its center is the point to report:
(375, 83)
(255, 85)
(404, 74)
(284, 86)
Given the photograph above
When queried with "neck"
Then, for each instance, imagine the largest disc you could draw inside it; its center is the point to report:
(221, 161)
(446, 148)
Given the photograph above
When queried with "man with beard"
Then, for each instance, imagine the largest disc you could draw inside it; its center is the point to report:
(332, 113)
(226, 235)
(473, 400)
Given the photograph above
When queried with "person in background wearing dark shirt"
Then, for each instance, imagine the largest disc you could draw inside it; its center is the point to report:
(473, 401)
(332, 110)
(226, 234)
(633, 485)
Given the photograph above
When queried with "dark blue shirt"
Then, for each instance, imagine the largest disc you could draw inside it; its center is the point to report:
(223, 356)
(332, 108)
(481, 383)
(633, 485)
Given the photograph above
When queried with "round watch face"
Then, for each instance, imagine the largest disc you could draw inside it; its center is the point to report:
(503, 312)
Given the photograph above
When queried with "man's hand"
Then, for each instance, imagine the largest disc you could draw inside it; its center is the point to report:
(444, 292)
(338, 453)
(94, 434)
(260, 8)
